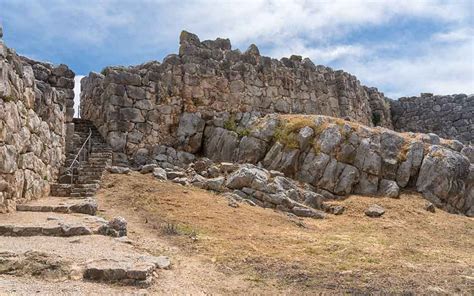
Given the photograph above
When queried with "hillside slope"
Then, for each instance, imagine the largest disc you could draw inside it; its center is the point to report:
(408, 250)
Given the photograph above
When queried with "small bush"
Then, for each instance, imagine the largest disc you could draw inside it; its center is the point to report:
(242, 132)
(230, 124)
(170, 229)
(376, 118)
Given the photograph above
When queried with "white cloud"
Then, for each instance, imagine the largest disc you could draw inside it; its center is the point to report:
(441, 63)
(77, 92)
(460, 34)
(321, 55)
(446, 70)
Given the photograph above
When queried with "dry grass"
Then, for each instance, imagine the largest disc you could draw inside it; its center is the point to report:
(407, 250)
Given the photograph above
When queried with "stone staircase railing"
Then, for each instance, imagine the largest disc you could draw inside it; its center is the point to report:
(80, 176)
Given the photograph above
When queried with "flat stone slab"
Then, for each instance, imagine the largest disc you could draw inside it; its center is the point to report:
(109, 270)
(49, 224)
(60, 205)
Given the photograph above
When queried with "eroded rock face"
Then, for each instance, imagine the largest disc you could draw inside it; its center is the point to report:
(36, 110)
(343, 158)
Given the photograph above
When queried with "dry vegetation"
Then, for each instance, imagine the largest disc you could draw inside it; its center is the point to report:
(408, 250)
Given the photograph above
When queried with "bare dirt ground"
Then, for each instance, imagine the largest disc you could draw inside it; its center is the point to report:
(250, 250)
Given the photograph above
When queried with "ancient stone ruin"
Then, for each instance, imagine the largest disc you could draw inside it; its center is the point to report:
(212, 101)
(282, 134)
(36, 111)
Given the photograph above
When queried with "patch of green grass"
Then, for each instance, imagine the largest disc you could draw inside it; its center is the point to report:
(9, 99)
(231, 125)
(287, 132)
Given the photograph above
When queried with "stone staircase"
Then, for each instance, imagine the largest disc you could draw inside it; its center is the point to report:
(54, 231)
(85, 180)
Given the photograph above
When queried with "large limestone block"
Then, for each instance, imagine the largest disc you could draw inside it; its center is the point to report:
(313, 167)
(8, 159)
(251, 150)
(132, 114)
(409, 167)
(190, 131)
(247, 176)
(444, 178)
(220, 144)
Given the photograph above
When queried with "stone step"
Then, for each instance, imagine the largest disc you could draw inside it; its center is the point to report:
(125, 272)
(59, 224)
(49, 224)
(136, 272)
(60, 205)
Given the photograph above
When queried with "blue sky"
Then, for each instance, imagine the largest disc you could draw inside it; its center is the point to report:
(401, 47)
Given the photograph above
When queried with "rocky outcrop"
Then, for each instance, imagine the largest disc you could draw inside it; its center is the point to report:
(450, 117)
(36, 101)
(343, 157)
(136, 108)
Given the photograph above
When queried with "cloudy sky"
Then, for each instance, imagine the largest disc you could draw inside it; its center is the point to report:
(402, 47)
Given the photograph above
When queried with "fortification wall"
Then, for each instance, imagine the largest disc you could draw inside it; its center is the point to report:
(449, 117)
(139, 107)
(36, 101)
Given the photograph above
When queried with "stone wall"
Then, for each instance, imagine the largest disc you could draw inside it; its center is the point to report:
(341, 157)
(136, 108)
(36, 101)
(449, 117)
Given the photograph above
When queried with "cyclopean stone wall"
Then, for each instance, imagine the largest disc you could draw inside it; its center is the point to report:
(342, 157)
(138, 107)
(447, 116)
(36, 102)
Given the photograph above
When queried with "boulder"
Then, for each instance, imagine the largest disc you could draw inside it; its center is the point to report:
(305, 135)
(148, 168)
(175, 174)
(388, 188)
(329, 139)
(247, 176)
(118, 170)
(307, 212)
(251, 150)
(119, 224)
(375, 211)
(430, 207)
(160, 174)
(215, 184)
(190, 131)
(88, 207)
(444, 178)
(409, 167)
(313, 199)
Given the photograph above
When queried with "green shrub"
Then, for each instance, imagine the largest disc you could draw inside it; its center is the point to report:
(376, 118)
